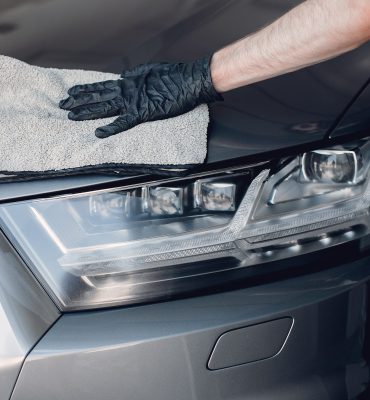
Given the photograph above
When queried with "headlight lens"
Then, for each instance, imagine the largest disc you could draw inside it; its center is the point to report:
(135, 244)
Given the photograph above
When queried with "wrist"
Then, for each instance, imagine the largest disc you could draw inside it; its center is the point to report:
(218, 72)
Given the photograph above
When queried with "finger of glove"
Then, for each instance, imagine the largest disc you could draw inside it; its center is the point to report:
(88, 98)
(139, 69)
(142, 68)
(94, 111)
(121, 124)
(92, 87)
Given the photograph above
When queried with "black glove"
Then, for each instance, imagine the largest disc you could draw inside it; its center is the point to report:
(146, 93)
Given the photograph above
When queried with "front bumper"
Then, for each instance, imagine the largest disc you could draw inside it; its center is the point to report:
(161, 351)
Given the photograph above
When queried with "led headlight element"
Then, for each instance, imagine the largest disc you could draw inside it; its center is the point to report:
(343, 164)
(331, 166)
(215, 196)
(110, 206)
(166, 201)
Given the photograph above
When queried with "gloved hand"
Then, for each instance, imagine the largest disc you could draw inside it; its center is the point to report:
(146, 93)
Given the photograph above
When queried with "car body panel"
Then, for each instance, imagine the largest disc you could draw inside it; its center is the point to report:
(26, 313)
(357, 118)
(160, 351)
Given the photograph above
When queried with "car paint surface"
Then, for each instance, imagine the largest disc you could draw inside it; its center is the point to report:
(160, 351)
(26, 313)
(357, 118)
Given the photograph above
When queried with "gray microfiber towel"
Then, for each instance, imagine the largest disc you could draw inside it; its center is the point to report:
(38, 140)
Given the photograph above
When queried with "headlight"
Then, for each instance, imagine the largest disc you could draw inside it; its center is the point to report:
(135, 244)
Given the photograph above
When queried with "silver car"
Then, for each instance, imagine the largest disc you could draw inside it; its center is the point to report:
(247, 278)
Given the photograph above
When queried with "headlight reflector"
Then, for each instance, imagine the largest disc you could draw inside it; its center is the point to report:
(215, 196)
(166, 201)
(331, 166)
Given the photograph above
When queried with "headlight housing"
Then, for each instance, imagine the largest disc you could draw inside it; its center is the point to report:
(139, 243)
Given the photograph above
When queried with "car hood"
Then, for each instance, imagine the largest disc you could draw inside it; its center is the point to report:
(293, 109)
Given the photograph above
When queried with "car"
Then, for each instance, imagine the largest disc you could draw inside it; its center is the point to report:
(247, 278)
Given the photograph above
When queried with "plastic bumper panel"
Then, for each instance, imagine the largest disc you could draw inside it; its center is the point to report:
(160, 351)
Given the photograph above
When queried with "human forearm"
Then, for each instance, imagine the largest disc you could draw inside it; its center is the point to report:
(314, 31)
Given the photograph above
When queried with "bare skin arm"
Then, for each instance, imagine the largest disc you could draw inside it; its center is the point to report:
(314, 31)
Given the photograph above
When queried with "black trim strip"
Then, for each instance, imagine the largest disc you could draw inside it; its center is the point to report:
(106, 169)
